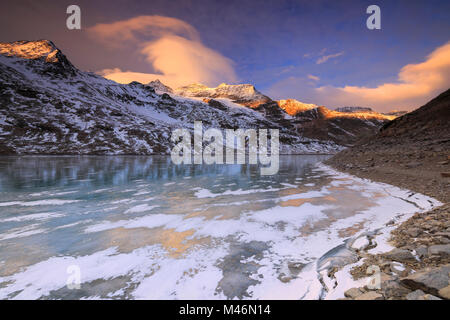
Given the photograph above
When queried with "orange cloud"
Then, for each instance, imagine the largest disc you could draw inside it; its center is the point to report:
(417, 83)
(147, 26)
(313, 77)
(171, 46)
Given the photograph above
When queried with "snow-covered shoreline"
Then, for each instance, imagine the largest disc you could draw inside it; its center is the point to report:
(372, 242)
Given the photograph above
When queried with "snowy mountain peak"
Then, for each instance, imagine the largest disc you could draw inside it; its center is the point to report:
(159, 86)
(43, 55)
(30, 50)
(244, 94)
(293, 107)
(238, 89)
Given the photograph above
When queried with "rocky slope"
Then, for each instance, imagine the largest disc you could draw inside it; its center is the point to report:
(345, 128)
(159, 87)
(48, 106)
(244, 94)
(412, 152)
(307, 120)
(354, 109)
(293, 107)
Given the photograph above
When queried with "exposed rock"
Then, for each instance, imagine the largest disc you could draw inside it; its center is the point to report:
(394, 289)
(294, 107)
(284, 278)
(415, 295)
(430, 297)
(414, 232)
(309, 120)
(215, 104)
(353, 293)
(353, 109)
(430, 280)
(159, 86)
(387, 277)
(371, 295)
(399, 255)
(413, 164)
(244, 94)
(295, 267)
(420, 295)
(445, 292)
(422, 251)
(439, 250)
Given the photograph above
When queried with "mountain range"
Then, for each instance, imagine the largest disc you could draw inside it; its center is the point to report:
(48, 106)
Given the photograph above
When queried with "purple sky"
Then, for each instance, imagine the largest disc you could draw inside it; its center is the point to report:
(315, 51)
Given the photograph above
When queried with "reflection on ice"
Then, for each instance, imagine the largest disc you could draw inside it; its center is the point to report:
(141, 227)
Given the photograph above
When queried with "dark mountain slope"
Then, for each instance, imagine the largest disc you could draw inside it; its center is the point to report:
(412, 151)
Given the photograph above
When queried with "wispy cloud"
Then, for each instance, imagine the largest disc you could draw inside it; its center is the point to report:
(171, 46)
(324, 59)
(312, 77)
(417, 83)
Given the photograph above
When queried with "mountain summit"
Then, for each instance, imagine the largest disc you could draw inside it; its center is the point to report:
(294, 107)
(42, 54)
(42, 49)
(159, 86)
(243, 94)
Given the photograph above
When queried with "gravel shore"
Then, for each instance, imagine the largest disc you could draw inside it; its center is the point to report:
(419, 267)
(411, 152)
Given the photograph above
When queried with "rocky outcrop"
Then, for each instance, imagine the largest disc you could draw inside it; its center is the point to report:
(354, 109)
(411, 151)
(307, 120)
(244, 94)
(41, 55)
(418, 269)
(293, 107)
(159, 87)
(430, 280)
(340, 127)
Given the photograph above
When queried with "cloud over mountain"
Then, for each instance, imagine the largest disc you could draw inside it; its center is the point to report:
(171, 46)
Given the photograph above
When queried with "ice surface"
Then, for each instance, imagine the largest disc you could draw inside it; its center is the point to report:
(144, 231)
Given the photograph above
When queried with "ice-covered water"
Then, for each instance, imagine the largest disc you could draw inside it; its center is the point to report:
(143, 228)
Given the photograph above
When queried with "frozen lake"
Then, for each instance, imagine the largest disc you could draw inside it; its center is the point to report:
(143, 228)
